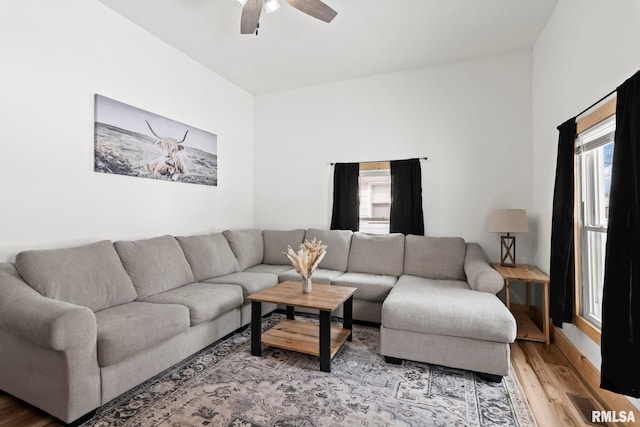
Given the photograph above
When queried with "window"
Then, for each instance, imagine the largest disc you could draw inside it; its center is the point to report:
(375, 197)
(364, 200)
(594, 150)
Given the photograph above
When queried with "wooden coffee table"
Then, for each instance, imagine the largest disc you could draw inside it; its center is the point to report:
(304, 337)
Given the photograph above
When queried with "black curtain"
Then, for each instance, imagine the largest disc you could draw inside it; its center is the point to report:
(346, 197)
(406, 197)
(561, 277)
(620, 371)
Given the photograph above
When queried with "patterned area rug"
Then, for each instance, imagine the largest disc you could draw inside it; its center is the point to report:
(223, 385)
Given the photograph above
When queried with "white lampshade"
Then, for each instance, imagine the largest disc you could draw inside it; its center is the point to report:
(509, 221)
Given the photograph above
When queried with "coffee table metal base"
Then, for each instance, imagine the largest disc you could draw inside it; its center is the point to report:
(323, 341)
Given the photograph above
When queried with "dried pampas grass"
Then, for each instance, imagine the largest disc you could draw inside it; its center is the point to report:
(306, 260)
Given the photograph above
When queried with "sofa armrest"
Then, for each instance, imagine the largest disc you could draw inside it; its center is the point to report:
(50, 323)
(481, 276)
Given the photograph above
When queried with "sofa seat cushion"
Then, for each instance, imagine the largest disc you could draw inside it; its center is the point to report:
(249, 282)
(376, 254)
(276, 243)
(447, 307)
(91, 276)
(435, 257)
(209, 255)
(155, 265)
(205, 301)
(371, 287)
(321, 276)
(131, 328)
(269, 268)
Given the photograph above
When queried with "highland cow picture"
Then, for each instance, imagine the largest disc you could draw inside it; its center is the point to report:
(130, 141)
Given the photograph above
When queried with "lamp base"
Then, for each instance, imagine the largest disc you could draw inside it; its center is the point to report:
(508, 251)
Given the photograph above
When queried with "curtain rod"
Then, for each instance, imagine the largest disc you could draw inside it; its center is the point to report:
(596, 103)
(383, 161)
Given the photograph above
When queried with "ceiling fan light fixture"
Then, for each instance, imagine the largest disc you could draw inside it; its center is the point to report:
(252, 9)
(270, 5)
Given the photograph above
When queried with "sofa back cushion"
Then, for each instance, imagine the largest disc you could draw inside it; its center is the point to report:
(154, 265)
(435, 257)
(376, 254)
(277, 241)
(91, 276)
(209, 255)
(247, 246)
(338, 243)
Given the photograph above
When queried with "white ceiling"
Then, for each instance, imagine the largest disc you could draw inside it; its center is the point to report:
(367, 37)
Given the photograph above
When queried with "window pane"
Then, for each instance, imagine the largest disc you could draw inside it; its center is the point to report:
(594, 176)
(607, 159)
(592, 283)
(598, 185)
(375, 201)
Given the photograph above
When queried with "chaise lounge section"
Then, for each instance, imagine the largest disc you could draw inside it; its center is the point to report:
(444, 309)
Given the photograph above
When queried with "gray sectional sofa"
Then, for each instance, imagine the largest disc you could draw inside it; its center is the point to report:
(80, 326)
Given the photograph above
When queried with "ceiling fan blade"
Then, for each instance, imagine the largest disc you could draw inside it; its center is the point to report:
(250, 16)
(314, 8)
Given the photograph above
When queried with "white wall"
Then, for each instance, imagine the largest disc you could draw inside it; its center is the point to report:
(54, 57)
(472, 119)
(587, 49)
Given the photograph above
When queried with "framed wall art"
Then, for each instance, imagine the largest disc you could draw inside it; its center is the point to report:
(134, 142)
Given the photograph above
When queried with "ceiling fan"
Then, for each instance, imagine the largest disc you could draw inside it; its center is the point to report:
(251, 10)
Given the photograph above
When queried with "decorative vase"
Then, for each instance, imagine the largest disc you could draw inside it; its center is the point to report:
(306, 285)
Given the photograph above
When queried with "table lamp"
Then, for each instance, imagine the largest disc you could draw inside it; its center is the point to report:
(508, 221)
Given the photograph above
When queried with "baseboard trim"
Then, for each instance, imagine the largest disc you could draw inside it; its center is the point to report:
(590, 376)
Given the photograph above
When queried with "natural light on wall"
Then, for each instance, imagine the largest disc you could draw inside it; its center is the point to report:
(594, 151)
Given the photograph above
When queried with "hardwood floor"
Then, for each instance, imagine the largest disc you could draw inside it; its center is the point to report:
(546, 376)
(16, 413)
(548, 380)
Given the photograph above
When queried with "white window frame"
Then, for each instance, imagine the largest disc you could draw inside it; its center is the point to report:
(592, 219)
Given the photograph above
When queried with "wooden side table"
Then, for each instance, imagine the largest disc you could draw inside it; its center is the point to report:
(527, 329)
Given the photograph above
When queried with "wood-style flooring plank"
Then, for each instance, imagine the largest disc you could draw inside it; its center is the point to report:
(548, 379)
(16, 413)
(562, 411)
(533, 390)
(552, 355)
(555, 408)
(4, 400)
(591, 377)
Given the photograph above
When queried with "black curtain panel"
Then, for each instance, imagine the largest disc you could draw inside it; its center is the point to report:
(346, 197)
(620, 371)
(406, 197)
(561, 277)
